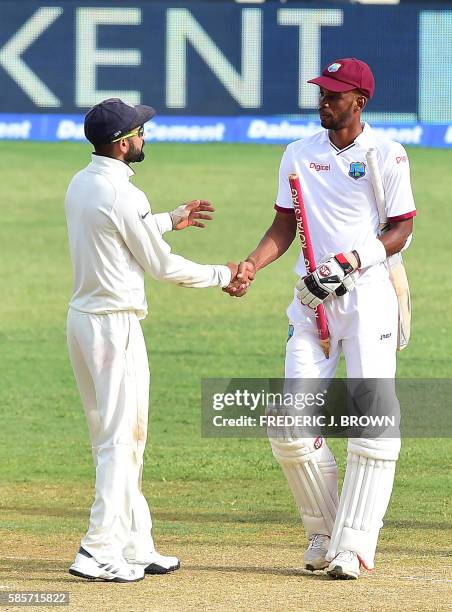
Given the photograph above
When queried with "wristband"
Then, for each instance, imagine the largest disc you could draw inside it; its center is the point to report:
(372, 253)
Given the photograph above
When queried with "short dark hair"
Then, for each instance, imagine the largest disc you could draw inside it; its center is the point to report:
(104, 149)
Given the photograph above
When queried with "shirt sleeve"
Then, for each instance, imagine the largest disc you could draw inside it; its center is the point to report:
(164, 222)
(144, 240)
(284, 202)
(397, 185)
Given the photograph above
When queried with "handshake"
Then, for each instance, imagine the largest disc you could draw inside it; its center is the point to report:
(242, 276)
(333, 275)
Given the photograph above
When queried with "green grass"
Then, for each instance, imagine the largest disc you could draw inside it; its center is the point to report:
(190, 335)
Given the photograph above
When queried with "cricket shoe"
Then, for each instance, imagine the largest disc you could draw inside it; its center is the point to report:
(86, 566)
(344, 566)
(155, 563)
(314, 557)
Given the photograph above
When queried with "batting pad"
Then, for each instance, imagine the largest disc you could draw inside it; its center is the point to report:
(312, 477)
(365, 497)
(399, 281)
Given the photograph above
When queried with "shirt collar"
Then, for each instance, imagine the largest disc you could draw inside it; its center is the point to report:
(366, 138)
(109, 165)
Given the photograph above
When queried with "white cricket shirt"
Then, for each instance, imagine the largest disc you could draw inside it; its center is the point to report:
(114, 239)
(338, 195)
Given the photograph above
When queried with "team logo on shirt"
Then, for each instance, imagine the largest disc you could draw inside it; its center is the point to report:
(357, 170)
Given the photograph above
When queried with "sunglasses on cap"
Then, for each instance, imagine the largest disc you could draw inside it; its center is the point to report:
(139, 131)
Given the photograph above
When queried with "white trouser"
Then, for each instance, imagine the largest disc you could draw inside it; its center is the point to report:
(110, 363)
(362, 325)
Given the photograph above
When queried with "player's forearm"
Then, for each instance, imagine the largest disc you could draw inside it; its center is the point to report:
(267, 251)
(395, 238)
(275, 241)
(392, 241)
(143, 238)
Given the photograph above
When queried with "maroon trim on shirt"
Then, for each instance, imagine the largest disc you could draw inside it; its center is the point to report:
(403, 217)
(287, 211)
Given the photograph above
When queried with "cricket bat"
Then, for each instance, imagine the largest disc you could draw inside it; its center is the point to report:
(308, 254)
(396, 267)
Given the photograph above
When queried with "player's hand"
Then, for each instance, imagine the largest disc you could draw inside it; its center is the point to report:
(247, 271)
(240, 283)
(334, 274)
(188, 215)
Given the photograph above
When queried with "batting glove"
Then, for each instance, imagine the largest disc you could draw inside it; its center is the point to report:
(332, 275)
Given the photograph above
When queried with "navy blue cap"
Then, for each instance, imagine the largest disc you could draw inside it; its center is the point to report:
(114, 118)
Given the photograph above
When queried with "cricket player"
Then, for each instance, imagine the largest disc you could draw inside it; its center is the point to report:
(352, 282)
(114, 238)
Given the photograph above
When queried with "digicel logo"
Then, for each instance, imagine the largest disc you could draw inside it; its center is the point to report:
(319, 167)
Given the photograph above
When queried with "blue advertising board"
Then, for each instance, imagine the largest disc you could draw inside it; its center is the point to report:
(237, 62)
(257, 129)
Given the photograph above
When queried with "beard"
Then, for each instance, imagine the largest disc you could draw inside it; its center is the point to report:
(338, 122)
(134, 154)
